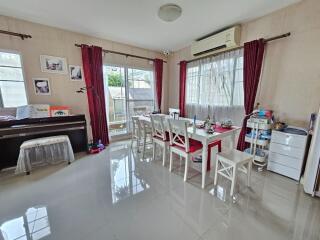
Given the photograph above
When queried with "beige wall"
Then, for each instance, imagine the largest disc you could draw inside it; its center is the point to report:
(56, 42)
(290, 83)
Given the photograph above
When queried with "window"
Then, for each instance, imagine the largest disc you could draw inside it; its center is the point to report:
(12, 85)
(216, 81)
(141, 91)
(129, 92)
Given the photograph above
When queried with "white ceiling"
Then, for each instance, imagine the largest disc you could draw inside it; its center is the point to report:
(136, 22)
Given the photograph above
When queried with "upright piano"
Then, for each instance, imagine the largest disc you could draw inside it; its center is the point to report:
(14, 132)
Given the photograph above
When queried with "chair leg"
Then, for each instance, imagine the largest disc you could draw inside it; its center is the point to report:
(153, 151)
(164, 155)
(216, 172)
(234, 179)
(144, 145)
(186, 168)
(249, 174)
(171, 159)
(138, 144)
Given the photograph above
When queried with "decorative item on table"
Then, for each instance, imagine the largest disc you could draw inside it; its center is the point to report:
(174, 113)
(207, 123)
(33, 111)
(227, 123)
(96, 147)
(51, 64)
(41, 86)
(59, 111)
(213, 121)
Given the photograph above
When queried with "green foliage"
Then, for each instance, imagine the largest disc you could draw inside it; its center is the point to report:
(115, 80)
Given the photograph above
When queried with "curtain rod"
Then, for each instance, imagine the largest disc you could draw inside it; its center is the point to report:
(237, 48)
(123, 54)
(21, 35)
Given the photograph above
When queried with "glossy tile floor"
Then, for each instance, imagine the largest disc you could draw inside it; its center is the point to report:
(118, 195)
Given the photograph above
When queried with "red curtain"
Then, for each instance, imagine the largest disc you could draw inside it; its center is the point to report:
(93, 74)
(182, 95)
(253, 58)
(158, 70)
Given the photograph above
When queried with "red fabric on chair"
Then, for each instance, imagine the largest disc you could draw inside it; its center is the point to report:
(182, 86)
(93, 75)
(158, 70)
(194, 146)
(253, 58)
(211, 145)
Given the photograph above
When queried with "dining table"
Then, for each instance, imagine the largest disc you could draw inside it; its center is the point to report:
(203, 136)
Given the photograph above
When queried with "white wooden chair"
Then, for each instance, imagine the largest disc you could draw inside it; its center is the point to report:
(159, 135)
(140, 132)
(181, 144)
(146, 134)
(229, 163)
(136, 132)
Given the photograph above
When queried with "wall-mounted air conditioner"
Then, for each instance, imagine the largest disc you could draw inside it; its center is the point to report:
(224, 40)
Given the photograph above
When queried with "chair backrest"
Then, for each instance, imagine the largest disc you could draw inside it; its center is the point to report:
(145, 126)
(157, 124)
(136, 127)
(178, 132)
(173, 111)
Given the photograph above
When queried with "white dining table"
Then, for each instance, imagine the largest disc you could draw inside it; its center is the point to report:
(205, 138)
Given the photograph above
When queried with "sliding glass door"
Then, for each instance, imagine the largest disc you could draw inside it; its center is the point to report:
(129, 92)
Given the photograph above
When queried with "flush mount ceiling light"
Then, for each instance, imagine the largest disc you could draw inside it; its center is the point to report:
(169, 12)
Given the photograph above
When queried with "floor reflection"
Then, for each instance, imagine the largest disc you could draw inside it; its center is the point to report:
(125, 178)
(32, 225)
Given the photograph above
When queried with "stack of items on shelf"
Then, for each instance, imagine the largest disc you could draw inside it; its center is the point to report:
(260, 124)
(41, 111)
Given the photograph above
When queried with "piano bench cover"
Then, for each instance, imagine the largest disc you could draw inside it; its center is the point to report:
(42, 151)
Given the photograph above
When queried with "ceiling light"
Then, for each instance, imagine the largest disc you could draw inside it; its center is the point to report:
(169, 12)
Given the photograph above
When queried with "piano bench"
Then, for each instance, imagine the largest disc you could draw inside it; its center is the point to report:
(40, 151)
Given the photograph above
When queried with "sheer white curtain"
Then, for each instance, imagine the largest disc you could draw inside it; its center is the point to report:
(215, 87)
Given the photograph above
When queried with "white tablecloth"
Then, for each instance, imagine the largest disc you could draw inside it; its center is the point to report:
(42, 151)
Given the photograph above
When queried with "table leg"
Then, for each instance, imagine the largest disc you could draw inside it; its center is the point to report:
(233, 140)
(204, 162)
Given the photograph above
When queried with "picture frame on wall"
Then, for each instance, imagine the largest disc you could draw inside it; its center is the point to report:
(52, 64)
(41, 86)
(75, 73)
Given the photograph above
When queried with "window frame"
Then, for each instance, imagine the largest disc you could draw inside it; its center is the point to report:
(127, 100)
(23, 75)
(199, 75)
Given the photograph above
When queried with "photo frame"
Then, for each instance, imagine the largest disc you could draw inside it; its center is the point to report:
(52, 64)
(41, 86)
(75, 73)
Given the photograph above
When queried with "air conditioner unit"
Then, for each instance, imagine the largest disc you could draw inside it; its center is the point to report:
(218, 42)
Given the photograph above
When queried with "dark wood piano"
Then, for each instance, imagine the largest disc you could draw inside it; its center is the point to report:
(13, 133)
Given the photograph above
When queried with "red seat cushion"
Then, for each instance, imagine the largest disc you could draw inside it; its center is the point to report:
(194, 146)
